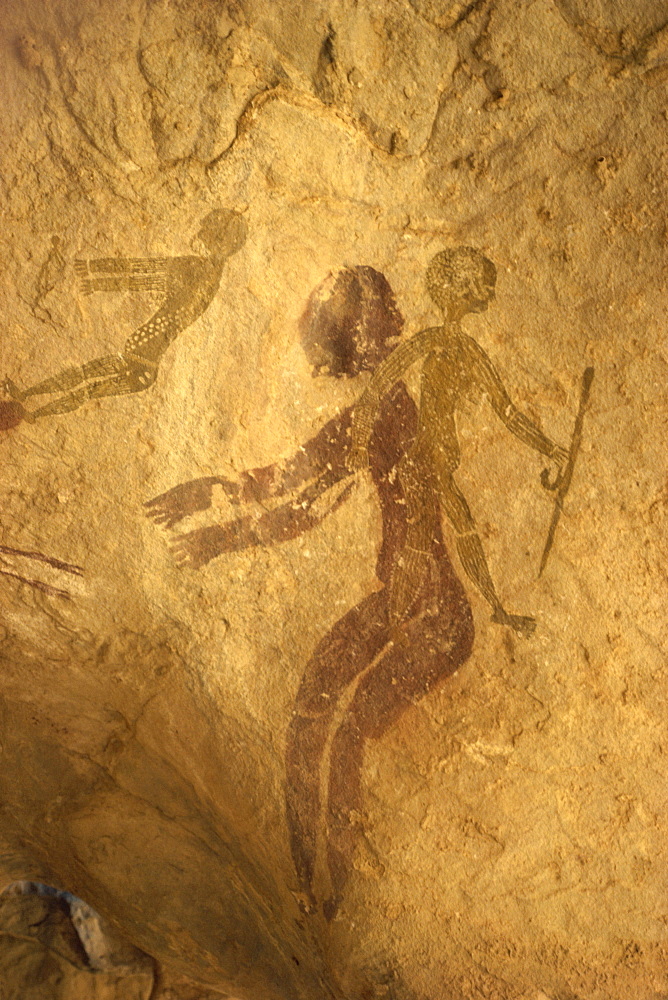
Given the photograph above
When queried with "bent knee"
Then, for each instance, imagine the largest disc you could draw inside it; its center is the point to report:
(141, 378)
(445, 458)
(455, 505)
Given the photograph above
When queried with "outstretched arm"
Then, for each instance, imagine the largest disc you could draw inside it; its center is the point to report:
(288, 521)
(123, 265)
(123, 274)
(487, 377)
(385, 376)
(325, 452)
(188, 498)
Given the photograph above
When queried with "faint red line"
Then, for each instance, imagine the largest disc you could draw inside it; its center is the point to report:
(40, 557)
(54, 591)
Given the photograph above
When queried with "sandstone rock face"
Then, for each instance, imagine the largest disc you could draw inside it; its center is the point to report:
(254, 709)
(54, 948)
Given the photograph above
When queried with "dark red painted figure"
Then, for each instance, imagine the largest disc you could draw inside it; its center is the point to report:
(365, 672)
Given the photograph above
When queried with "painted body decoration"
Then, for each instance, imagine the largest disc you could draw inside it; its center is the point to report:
(188, 284)
(460, 281)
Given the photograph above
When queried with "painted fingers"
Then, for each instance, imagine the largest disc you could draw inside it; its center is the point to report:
(181, 501)
(197, 548)
(522, 624)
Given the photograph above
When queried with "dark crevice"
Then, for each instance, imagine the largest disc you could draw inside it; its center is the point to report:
(325, 74)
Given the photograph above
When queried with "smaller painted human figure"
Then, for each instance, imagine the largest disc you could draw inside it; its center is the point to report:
(460, 281)
(359, 679)
(189, 285)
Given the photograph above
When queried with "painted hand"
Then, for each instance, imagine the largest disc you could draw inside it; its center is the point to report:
(82, 271)
(199, 547)
(560, 457)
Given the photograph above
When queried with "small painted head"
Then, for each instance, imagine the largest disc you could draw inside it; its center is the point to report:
(223, 232)
(462, 279)
(349, 322)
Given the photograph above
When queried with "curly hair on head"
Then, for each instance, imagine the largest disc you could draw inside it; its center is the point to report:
(450, 272)
(353, 316)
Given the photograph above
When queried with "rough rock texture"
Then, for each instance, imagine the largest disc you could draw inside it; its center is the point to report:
(501, 827)
(53, 948)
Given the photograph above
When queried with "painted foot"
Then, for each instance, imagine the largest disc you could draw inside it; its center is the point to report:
(11, 414)
(330, 908)
(521, 624)
(12, 390)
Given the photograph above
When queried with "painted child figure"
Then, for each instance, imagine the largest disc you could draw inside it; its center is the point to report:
(460, 281)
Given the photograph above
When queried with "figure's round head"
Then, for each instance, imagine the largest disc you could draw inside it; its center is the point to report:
(462, 278)
(223, 232)
(349, 322)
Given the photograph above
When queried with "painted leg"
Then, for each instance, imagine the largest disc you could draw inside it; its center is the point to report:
(436, 646)
(472, 554)
(306, 744)
(69, 378)
(352, 643)
(132, 379)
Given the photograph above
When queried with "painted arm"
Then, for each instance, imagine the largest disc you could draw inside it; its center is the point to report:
(324, 452)
(124, 265)
(385, 376)
(487, 377)
(286, 522)
(124, 274)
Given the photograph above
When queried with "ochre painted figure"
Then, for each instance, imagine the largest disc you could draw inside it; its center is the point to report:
(460, 281)
(359, 680)
(189, 285)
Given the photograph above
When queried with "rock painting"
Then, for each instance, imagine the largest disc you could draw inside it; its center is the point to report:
(13, 561)
(562, 483)
(188, 284)
(459, 281)
(401, 641)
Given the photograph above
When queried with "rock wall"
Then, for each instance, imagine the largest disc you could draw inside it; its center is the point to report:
(261, 720)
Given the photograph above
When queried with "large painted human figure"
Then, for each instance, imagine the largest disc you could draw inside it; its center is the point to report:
(361, 676)
(393, 647)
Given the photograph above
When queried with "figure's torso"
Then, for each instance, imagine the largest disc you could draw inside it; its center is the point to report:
(447, 376)
(192, 283)
(393, 436)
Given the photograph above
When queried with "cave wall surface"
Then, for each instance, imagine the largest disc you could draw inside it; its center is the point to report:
(261, 721)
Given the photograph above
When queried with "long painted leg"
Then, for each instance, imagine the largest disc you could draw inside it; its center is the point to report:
(68, 379)
(131, 380)
(436, 646)
(305, 747)
(472, 554)
(351, 644)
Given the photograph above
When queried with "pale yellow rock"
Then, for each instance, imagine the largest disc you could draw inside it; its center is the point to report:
(512, 825)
